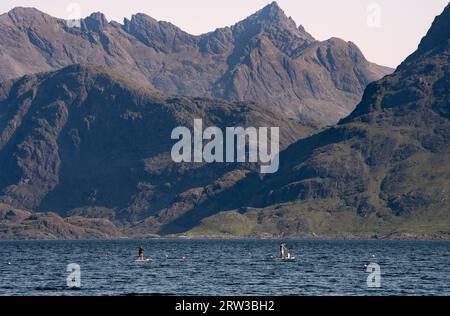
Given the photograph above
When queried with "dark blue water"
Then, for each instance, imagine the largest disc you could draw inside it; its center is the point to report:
(224, 267)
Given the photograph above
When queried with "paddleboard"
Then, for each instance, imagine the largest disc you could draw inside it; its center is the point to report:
(289, 259)
(145, 260)
(272, 258)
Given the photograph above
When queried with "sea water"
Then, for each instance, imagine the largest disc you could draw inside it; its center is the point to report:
(224, 267)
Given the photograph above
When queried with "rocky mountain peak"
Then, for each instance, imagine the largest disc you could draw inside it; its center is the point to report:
(24, 17)
(272, 12)
(272, 23)
(96, 21)
(437, 37)
(418, 73)
(20, 11)
(141, 18)
(160, 35)
(302, 30)
(16, 10)
(439, 33)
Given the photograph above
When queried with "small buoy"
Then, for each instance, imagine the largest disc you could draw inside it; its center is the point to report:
(183, 258)
(9, 263)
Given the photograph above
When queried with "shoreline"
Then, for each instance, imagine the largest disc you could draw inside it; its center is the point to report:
(237, 238)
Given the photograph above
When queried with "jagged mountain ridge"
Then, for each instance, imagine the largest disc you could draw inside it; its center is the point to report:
(264, 58)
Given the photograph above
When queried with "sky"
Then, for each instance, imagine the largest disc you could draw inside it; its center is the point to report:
(387, 31)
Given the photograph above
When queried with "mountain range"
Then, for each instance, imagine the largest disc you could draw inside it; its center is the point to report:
(85, 148)
(383, 171)
(265, 58)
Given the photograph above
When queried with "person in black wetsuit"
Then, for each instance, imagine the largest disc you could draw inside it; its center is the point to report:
(141, 253)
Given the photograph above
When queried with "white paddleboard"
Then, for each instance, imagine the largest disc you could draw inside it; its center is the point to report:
(289, 259)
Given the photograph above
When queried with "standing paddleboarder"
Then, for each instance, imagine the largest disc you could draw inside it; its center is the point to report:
(141, 253)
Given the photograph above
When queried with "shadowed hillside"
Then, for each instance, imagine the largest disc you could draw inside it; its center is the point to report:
(85, 141)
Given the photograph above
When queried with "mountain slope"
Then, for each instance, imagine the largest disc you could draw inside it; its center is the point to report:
(265, 58)
(382, 171)
(85, 141)
(19, 224)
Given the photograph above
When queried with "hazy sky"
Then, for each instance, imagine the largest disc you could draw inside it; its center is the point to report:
(387, 31)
